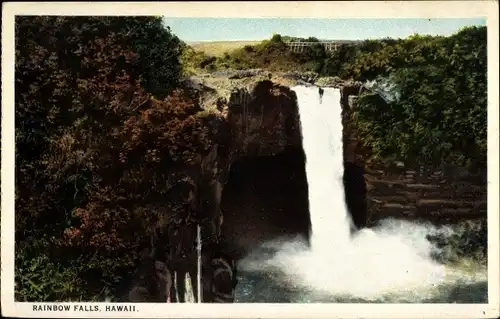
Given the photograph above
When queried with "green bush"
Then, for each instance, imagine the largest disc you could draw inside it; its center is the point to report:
(190, 59)
(157, 49)
(464, 240)
(440, 114)
(94, 149)
(38, 278)
(272, 54)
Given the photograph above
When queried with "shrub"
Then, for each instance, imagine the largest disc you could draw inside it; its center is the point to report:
(94, 149)
(440, 114)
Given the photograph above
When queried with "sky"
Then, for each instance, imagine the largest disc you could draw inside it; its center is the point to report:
(249, 29)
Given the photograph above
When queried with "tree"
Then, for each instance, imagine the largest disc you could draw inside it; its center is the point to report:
(440, 114)
(276, 38)
(94, 149)
(157, 49)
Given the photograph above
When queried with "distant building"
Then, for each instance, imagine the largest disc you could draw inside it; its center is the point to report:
(329, 45)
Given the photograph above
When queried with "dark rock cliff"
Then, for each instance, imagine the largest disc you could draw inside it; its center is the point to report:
(239, 192)
(263, 120)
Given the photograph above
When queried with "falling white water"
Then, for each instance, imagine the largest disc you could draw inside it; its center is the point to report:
(189, 291)
(394, 259)
(322, 143)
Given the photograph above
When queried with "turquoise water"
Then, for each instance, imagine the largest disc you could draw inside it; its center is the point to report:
(268, 288)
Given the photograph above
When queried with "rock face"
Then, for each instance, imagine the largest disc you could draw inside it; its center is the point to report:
(263, 120)
(265, 197)
(254, 121)
(425, 193)
(354, 164)
(267, 168)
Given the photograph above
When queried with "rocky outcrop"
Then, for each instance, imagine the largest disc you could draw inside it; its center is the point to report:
(263, 120)
(266, 165)
(253, 120)
(425, 193)
(348, 90)
(301, 77)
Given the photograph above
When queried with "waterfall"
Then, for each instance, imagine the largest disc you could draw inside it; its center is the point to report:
(391, 262)
(369, 263)
(322, 142)
(198, 266)
(189, 292)
(189, 295)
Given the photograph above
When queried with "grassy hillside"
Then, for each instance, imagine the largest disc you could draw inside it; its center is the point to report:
(217, 48)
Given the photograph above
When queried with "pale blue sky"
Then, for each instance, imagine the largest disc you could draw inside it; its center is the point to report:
(225, 29)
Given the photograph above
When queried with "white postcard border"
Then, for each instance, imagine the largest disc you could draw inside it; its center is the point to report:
(323, 9)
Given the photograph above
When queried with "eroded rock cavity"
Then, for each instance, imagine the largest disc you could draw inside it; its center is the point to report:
(265, 198)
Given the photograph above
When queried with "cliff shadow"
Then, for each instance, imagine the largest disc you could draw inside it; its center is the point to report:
(355, 193)
(265, 198)
(355, 189)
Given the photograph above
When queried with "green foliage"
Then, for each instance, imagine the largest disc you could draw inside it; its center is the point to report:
(157, 49)
(94, 150)
(374, 60)
(40, 279)
(440, 114)
(316, 54)
(468, 240)
(276, 38)
(193, 61)
(272, 54)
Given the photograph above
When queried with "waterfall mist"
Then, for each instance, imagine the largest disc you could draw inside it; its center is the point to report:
(391, 262)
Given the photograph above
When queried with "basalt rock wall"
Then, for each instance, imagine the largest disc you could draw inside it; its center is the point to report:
(263, 120)
(255, 128)
(265, 194)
